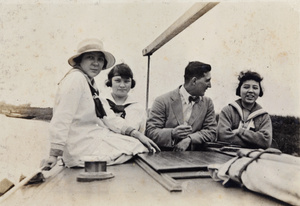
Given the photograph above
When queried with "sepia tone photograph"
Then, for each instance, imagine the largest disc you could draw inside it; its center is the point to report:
(153, 102)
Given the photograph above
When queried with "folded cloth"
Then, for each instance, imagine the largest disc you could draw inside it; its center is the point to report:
(264, 171)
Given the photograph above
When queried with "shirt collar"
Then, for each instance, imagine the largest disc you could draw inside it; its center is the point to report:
(185, 95)
(129, 100)
(90, 81)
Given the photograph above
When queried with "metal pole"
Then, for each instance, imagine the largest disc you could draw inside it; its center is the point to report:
(148, 78)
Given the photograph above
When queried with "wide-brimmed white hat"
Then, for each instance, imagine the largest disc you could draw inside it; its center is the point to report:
(92, 45)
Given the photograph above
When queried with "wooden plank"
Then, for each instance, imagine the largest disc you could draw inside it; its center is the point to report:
(182, 161)
(188, 174)
(170, 184)
(232, 154)
(190, 16)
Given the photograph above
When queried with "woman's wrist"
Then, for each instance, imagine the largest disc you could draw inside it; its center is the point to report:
(134, 133)
(56, 152)
(128, 131)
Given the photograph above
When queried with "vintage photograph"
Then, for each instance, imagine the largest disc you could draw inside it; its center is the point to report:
(153, 102)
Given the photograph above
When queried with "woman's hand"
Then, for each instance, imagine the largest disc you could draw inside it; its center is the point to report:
(152, 147)
(239, 131)
(50, 163)
(235, 131)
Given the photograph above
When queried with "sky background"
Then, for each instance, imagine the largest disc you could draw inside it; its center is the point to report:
(37, 38)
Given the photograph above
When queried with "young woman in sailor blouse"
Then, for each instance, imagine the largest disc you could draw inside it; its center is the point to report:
(120, 79)
(244, 122)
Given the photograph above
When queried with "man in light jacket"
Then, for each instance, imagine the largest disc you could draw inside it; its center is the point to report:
(183, 119)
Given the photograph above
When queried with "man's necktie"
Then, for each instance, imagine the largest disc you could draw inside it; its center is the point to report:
(194, 99)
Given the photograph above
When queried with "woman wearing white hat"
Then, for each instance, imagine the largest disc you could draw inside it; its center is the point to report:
(83, 123)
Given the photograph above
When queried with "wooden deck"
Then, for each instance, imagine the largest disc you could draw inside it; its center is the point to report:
(131, 186)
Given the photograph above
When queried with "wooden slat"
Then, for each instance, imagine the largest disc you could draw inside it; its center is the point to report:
(170, 184)
(232, 154)
(188, 174)
(190, 16)
(183, 161)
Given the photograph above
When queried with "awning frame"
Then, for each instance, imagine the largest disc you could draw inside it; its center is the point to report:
(190, 16)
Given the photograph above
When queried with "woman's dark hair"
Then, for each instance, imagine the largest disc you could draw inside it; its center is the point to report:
(249, 75)
(122, 70)
(78, 59)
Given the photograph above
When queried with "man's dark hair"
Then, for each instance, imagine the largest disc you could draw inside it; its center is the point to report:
(195, 69)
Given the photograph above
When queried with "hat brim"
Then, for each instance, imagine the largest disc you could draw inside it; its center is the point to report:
(108, 56)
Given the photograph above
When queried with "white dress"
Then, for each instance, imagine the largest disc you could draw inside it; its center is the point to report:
(78, 132)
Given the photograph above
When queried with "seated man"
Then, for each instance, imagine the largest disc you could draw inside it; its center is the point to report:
(183, 119)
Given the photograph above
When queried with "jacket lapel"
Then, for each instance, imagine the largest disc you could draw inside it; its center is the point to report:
(177, 106)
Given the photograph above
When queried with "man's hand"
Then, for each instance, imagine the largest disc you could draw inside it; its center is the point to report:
(181, 132)
(183, 144)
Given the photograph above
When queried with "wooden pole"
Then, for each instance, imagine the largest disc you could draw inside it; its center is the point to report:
(190, 16)
(46, 174)
(19, 185)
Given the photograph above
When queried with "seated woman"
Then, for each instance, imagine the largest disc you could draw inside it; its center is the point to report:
(244, 122)
(120, 79)
(83, 123)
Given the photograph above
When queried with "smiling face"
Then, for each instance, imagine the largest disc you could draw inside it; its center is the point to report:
(92, 63)
(249, 92)
(121, 86)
